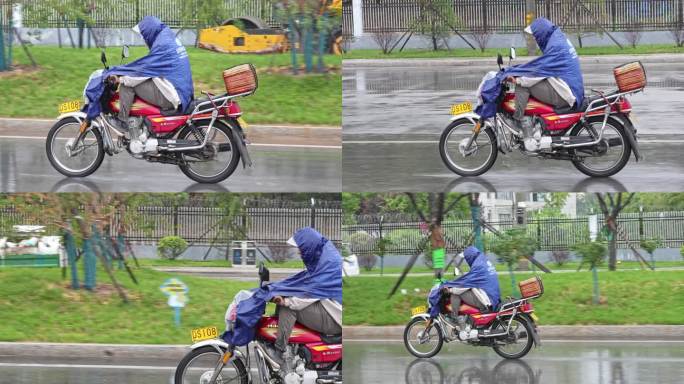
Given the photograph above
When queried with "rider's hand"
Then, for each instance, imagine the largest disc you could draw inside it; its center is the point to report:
(510, 79)
(278, 300)
(113, 79)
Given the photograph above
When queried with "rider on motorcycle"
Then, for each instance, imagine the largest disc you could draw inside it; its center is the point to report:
(162, 78)
(554, 78)
(478, 288)
(312, 297)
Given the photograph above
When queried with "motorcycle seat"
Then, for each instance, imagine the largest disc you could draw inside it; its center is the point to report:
(188, 110)
(331, 339)
(585, 103)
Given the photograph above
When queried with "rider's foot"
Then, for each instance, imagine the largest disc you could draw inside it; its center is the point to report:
(119, 125)
(275, 354)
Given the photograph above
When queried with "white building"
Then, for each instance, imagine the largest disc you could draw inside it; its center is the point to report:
(501, 206)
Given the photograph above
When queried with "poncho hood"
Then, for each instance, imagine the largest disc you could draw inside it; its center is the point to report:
(482, 275)
(322, 279)
(167, 58)
(559, 59)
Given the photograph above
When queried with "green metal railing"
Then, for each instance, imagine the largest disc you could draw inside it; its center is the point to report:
(30, 260)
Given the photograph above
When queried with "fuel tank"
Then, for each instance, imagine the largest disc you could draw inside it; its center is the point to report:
(267, 328)
(139, 108)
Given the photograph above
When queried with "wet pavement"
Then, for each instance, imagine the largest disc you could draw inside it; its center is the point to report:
(393, 117)
(24, 167)
(554, 362)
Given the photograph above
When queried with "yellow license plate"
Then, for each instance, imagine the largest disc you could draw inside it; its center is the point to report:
(205, 333)
(458, 109)
(535, 318)
(70, 106)
(243, 123)
(418, 310)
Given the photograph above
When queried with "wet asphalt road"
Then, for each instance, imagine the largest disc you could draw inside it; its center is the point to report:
(554, 362)
(392, 119)
(24, 167)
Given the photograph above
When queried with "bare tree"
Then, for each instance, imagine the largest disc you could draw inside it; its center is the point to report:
(678, 34)
(279, 252)
(481, 37)
(385, 40)
(633, 34)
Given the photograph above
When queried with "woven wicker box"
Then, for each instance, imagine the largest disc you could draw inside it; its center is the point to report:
(531, 287)
(630, 77)
(241, 79)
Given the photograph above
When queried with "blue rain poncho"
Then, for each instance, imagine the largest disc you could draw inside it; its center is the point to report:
(167, 58)
(322, 279)
(482, 275)
(559, 59)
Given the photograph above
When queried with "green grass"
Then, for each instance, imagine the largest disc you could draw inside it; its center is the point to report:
(281, 98)
(36, 305)
(628, 297)
(626, 265)
(491, 52)
(210, 263)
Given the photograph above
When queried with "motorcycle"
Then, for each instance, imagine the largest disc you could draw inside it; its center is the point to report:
(598, 137)
(317, 357)
(510, 329)
(206, 140)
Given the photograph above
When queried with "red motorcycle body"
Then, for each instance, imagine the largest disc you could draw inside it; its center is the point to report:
(484, 319)
(163, 125)
(320, 351)
(557, 122)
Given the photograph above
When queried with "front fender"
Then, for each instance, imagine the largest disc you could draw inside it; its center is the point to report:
(472, 116)
(78, 115)
(425, 316)
(221, 346)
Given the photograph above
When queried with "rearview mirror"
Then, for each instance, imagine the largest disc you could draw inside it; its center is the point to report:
(457, 272)
(499, 59)
(512, 54)
(125, 52)
(103, 58)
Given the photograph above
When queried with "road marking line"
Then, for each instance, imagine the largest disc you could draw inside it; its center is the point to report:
(655, 141)
(250, 145)
(542, 341)
(96, 366)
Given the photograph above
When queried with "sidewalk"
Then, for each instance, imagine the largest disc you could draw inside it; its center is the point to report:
(658, 58)
(267, 134)
(549, 332)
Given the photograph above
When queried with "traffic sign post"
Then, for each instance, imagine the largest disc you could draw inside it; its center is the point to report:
(177, 292)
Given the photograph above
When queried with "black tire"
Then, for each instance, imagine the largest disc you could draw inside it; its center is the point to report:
(55, 164)
(530, 339)
(180, 370)
(187, 134)
(624, 158)
(440, 340)
(445, 157)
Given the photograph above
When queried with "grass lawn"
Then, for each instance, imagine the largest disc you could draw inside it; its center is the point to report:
(280, 99)
(628, 297)
(520, 51)
(502, 267)
(210, 263)
(36, 305)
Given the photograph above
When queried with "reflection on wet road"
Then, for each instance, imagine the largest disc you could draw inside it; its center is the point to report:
(25, 167)
(554, 362)
(393, 118)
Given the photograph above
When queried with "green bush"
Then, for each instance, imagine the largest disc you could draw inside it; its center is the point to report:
(170, 247)
(592, 253)
(681, 251)
(650, 245)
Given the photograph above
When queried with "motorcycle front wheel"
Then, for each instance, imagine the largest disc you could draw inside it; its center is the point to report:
(217, 161)
(422, 342)
(197, 367)
(70, 158)
(474, 160)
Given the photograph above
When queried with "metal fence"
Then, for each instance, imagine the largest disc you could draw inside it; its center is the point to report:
(551, 233)
(127, 13)
(347, 19)
(509, 15)
(203, 225)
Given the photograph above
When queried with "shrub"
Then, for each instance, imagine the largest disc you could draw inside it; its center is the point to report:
(560, 257)
(170, 247)
(650, 245)
(367, 261)
(592, 253)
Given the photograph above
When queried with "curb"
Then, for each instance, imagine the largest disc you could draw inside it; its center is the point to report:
(85, 350)
(657, 58)
(554, 332)
(257, 133)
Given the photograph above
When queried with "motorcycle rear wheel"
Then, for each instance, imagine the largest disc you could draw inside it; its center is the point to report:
(612, 126)
(59, 158)
(197, 172)
(418, 324)
(514, 333)
(454, 160)
(181, 375)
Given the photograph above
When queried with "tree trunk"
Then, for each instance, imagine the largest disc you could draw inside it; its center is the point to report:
(612, 251)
